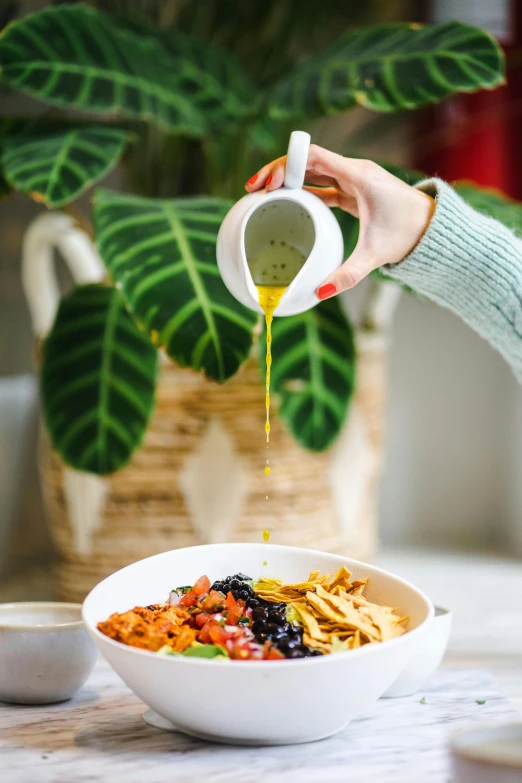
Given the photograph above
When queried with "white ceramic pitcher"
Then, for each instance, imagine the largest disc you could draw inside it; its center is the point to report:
(285, 237)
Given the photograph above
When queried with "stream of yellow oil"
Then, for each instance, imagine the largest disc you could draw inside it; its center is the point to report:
(269, 298)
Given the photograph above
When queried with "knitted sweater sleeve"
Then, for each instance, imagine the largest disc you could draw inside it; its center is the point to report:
(471, 264)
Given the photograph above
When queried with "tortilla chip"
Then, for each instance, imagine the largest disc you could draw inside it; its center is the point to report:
(310, 623)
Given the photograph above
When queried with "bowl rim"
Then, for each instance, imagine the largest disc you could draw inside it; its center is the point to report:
(366, 649)
(71, 625)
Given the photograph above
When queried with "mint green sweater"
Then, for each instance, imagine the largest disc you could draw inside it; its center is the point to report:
(472, 264)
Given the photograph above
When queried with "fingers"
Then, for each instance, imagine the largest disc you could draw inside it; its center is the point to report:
(355, 269)
(272, 172)
(330, 196)
(323, 168)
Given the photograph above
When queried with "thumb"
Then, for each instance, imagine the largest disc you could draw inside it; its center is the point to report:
(354, 269)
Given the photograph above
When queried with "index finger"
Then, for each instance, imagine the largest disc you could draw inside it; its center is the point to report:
(342, 172)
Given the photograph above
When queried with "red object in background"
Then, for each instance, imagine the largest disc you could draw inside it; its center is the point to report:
(478, 136)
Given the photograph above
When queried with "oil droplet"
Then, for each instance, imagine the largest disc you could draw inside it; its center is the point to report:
(267, 470)
(265, 563)
(266, 536)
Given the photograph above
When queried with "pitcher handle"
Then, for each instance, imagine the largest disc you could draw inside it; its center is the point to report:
(297, 158)
(47, 232)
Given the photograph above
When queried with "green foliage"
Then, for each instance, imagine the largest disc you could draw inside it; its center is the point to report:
(202, 119)
(78, 57)
(57, 165)
(388, 67)
(97, 381)
(313, 372)
(162, 255)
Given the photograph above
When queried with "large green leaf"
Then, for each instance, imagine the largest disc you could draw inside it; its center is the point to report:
(79, 57)
(387, 67)
(56, 165)
(313, 372)
(97, 379)
(162, 254)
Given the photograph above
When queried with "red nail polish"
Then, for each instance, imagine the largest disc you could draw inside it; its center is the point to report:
(269, 180)
(252, 179)
(326, 291)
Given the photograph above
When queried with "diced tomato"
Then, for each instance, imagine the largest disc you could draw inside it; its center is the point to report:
(213, 602)
(189, 599)
(231, 602)
(241, 649)
(271, 653)
(274, 654)
(218, 634)
(202, 585)
(204, 634)
(201, 618)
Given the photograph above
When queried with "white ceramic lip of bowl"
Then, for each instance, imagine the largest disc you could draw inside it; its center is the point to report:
(241, 697)
(38, 608)
(318, 661)
(468, 744)
(46, 653)
(427, 659)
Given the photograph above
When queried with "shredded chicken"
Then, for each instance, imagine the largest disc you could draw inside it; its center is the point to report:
(151, 627)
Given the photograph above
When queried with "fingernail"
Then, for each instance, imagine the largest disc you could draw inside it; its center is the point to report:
(326, 291)
(252, 179)
(269, 180)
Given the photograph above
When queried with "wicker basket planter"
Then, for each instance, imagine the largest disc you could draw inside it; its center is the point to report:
(199, 478)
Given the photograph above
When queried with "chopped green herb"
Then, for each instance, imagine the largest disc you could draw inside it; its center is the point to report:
(244, 621)
(423, 700)
(184, 589)
(480, 702)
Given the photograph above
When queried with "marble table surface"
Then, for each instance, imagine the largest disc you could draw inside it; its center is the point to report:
(100, 734)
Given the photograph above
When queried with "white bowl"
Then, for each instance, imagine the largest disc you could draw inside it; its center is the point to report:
(255, 702)
(45, 652)
(427, 659)
(482, 754)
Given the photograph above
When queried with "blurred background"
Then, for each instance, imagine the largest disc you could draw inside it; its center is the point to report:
(453, 468)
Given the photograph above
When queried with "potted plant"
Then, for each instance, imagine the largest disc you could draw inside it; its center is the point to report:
(213, 89)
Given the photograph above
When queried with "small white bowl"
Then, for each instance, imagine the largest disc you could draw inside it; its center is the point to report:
(481, 754)
(45, 652)
(255, 702)
(427, 659)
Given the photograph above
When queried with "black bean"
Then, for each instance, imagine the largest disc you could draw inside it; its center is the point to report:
(259, 626)
(260, 613)
(253, 603)
(296, 654)
(277, 618)
(243, 595)
(242, 577)
(235, 584)
(271, 628)
(228, 579)
(226, 589)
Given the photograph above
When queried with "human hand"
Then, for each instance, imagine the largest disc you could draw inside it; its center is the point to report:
(393, 215)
